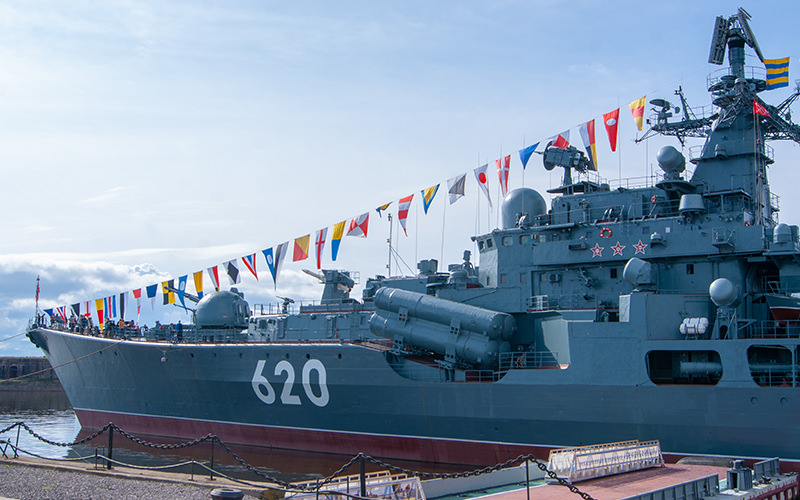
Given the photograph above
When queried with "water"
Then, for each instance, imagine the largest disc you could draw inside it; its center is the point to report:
(56, 425)
(62, 426)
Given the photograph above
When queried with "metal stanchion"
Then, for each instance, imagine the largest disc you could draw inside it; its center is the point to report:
(110, 446)
(363, 476)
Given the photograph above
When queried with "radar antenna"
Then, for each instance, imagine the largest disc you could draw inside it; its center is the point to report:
(724, 29)
(743, 16)
(690, 126)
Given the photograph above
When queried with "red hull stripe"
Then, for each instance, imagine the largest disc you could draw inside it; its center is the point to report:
(344, 443)
(442, 451)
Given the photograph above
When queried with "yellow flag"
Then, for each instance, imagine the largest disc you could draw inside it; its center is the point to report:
(637, 109)
(198, 283)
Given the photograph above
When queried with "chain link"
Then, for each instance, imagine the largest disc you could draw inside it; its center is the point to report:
(318, 484)
(161, 446)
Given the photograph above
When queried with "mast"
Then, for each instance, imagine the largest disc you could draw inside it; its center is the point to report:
(389, 241)
(37, 298)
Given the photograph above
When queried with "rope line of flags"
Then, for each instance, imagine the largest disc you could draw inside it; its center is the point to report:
(116, 306)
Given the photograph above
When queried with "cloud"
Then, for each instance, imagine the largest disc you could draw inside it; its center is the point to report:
(66, 279)
(108, 195)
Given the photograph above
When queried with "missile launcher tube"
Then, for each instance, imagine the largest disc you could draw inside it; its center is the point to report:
(475, 319)
(472, 347)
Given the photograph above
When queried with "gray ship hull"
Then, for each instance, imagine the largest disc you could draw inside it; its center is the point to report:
(190, 390)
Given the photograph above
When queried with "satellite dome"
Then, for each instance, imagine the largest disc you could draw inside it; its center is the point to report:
(723, 292)
(519, 202)
(222, 310)
(671, 160)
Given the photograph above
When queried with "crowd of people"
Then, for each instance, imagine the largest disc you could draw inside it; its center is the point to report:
(110, 328)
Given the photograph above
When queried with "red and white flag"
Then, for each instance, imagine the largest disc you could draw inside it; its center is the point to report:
(503, 167)
(758, 109)
(319, 243)
(562, 140)
(137, 294)
(358, 226)
(483, 181)
(611, 120)
(250, 264)
(403, 205)
(213, 272)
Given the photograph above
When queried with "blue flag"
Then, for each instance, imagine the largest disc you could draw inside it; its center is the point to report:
(275, 260)
(525, 154)
(182, 288)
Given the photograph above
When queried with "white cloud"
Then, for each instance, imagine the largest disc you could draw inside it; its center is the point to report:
(107, 196)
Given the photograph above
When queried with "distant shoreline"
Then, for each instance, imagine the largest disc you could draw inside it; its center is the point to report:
(41, 391)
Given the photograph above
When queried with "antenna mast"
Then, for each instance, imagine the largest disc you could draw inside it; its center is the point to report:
(389, 241)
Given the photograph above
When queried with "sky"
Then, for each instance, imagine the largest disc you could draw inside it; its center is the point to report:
(142, 141)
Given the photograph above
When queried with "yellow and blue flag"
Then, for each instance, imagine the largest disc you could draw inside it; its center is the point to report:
(777, 73)
(381, 208)
(427, 196)
(338, 232)
(198, 283)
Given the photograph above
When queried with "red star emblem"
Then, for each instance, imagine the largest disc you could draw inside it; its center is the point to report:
(639, 247)
(617, 249)
(597, 250)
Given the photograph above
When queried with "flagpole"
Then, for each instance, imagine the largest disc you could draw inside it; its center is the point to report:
(389, 241)
(416, 235)
(619, 147)
(523, 166)
(444, 213)
(36, 315)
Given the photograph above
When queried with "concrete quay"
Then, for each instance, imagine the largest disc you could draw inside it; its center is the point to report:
(26, 478)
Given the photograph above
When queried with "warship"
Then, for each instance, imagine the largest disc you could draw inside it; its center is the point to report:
(663, 311)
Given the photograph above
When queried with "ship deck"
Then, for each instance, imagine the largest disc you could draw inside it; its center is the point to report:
(618, 486)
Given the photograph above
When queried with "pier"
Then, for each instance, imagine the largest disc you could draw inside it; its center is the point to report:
(27, 477)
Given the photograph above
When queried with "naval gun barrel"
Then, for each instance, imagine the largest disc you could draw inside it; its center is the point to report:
(435, 310)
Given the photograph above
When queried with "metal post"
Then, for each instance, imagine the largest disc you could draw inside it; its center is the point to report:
(317, 490)
(211, 477)
(363, 476)
(527, 479)
(110, 446)
(17, 443)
